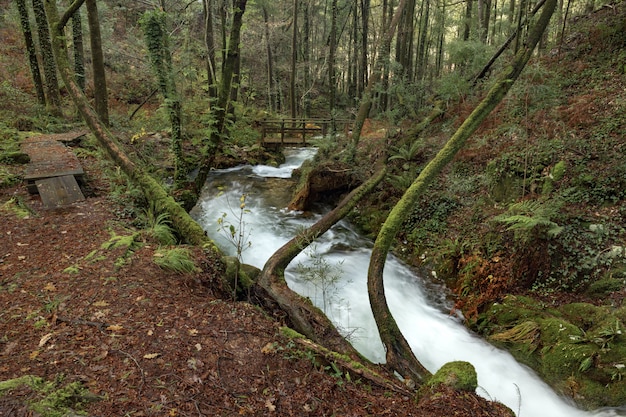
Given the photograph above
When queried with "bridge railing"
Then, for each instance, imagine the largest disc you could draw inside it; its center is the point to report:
(290, 131)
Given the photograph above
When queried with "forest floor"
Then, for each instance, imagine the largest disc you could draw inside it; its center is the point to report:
(112, 334)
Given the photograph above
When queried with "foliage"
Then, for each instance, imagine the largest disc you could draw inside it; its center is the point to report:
(158, 227)
(323, 276)
(178, 260)
(532, 218)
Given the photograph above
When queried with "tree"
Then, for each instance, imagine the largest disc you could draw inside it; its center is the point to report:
(79, 53)
(53, 98)
(399, 354)
(294, 60)
(157, 39)
(97, 62)
(220, 110)
(209, 44)
(181, 221)
(366, 100)
(31, 51)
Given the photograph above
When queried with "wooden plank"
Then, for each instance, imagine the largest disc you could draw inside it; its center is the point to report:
(50, 158)
(59, 191)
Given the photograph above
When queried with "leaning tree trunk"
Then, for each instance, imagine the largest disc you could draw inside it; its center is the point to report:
(32, 52)
(399, 354)
(304, 317)
(181, 221)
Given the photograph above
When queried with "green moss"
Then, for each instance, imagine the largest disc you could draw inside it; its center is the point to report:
(290, 333)
(582, 315)
(52, 400)
(605, 286)
(459, 375)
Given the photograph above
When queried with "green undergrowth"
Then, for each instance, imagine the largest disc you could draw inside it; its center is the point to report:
(578, 348)
(50, 398)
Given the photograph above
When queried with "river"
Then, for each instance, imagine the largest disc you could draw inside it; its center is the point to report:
(418, 303)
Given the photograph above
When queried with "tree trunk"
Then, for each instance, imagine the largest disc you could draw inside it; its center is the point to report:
(219, 111)
(53, 99)
(303, 316)
(332, 50)
(181, 221)
(32, 52)
(366, 99)
(101, 100)
(157, 40)
(399, 354)
(79, 52)
(271, 84)
(365, 13)
(209, 44)
(294, 60)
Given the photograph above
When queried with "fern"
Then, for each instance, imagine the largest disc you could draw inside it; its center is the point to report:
(407, 152)
(177, 260)
(530, 216)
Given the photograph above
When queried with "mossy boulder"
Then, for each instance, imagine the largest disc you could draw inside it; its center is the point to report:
(458, 375)
(579, 349)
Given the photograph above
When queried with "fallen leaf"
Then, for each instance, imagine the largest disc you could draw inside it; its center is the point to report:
(33, 354)
(150, 332)
(151, 355)
(271, 407)
(45, 339)
(268, 348)
(193, 332)
(21, 258)
(115, 328)
(100, 304)
(198, 347)
(50, 287)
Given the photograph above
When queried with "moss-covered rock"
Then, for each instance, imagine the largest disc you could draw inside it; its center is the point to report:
(579, 349)
(458, 375)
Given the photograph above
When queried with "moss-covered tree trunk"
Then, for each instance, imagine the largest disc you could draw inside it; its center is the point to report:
(220, 109)
(399, 354)
(101, 99)
(153, 191)
(31, 51)
(79, 50)
(304, 317)
(53, 98)
(157, 40)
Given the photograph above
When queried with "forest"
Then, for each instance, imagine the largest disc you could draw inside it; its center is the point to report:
(479, 142)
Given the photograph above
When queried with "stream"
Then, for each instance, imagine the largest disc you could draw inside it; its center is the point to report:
(418, 303)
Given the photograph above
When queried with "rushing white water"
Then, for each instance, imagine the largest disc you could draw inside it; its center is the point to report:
(418, 305)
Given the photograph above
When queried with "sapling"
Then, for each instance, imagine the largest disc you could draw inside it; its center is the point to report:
(237, 234)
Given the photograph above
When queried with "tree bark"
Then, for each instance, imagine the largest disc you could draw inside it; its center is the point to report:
(32, 52)
(303, 316)
(101, 99)
(399, 354)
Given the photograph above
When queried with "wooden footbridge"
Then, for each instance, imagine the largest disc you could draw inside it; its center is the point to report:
(299, 131)
(54, 169)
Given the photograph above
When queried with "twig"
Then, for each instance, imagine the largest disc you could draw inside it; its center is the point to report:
(143, 376)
